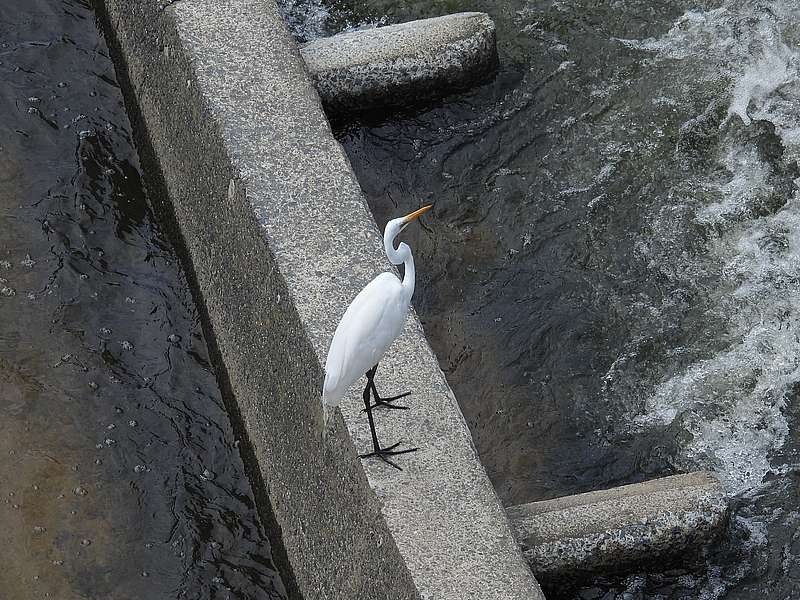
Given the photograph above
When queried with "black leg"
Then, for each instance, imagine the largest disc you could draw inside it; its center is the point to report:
(387, 402)
(381, 453)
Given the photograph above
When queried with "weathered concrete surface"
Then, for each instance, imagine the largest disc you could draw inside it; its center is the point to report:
(280, 240)
(610, 530)
(401, 64)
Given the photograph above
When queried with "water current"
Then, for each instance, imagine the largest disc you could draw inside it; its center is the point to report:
(611, 276)
(120, 475)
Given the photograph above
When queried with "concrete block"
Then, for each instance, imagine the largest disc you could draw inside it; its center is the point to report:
(279, 240)
(401, 64)
(620, 528)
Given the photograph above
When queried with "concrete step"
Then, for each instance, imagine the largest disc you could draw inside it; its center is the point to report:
(621, 528)
(400, 65)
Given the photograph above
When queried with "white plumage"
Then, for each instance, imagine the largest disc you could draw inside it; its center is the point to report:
(370, 324)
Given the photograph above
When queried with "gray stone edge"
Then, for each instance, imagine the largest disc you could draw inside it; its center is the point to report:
(409, 76)
(621, 528)
(350, 530)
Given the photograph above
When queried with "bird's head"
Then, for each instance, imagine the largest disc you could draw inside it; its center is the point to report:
(395, 226)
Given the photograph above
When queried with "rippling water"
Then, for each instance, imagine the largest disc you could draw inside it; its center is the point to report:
(119, 470)
(611, 277)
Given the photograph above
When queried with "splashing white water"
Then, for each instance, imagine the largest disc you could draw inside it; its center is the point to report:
(761, 80)
(307, 19)
(731, 403)
(312, 19)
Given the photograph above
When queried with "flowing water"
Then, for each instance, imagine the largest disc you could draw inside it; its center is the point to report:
(611, 276)
(120, 475)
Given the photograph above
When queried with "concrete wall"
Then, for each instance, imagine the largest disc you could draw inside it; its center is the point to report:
(280, 240)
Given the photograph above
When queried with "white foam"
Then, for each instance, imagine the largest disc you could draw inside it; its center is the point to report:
(307, 19)
(748, 182)
(729, 405)
(761, 80)
(312, 19)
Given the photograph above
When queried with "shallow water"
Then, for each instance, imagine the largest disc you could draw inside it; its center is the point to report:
(119, 470)
(611, 275)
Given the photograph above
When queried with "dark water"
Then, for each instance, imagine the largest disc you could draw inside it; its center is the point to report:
(611, 275)
(119, 470)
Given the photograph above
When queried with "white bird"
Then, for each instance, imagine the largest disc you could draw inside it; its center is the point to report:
(369, 326)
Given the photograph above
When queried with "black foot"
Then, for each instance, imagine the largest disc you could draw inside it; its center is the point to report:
(387, 402)
(390, 451)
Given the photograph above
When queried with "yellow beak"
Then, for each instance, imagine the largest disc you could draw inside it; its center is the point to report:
(416, 214)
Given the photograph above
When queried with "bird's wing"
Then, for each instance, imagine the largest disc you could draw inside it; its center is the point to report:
(368, 327)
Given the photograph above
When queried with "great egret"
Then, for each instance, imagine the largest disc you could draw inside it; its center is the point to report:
(370, 324)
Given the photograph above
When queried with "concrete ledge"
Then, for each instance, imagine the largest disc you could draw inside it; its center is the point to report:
(624, 527)
(280, 240)
(401, 64)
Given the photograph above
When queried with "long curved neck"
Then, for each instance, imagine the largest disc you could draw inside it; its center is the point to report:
(402, 256)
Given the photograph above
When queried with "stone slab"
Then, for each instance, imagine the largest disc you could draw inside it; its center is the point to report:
(399, 65)
(279, 240)
(620, 528)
